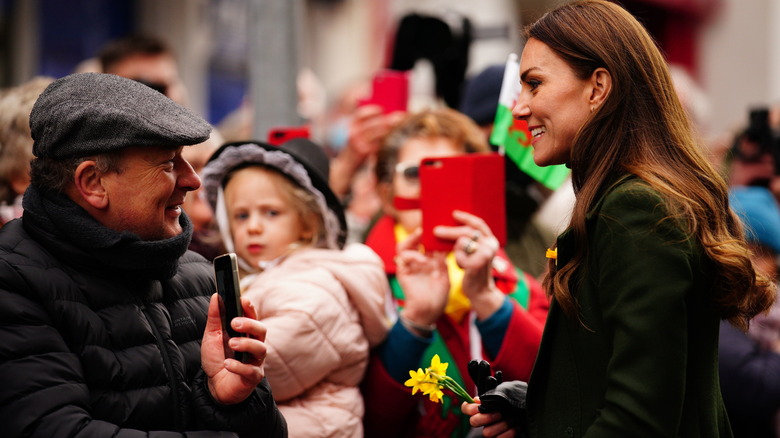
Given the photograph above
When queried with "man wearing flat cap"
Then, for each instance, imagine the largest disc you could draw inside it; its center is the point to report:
(108, 325)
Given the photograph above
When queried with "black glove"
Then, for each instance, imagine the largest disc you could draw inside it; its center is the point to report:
(508, 398)
(481, 374)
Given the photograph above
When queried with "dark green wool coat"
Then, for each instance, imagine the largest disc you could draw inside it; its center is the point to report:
(642, 361)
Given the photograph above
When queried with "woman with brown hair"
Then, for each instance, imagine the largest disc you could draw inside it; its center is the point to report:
(653, 257)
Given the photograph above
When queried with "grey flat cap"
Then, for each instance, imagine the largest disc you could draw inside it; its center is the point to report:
(90, 113)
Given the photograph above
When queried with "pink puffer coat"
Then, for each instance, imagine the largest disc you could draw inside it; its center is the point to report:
(323, 310)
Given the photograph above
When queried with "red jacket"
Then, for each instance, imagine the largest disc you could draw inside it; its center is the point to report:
(391, 410)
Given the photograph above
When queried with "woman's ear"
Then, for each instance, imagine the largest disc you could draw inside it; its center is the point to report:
(89, 184)
(601, 82)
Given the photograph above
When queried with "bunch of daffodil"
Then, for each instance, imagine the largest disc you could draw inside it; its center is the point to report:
(431, 381)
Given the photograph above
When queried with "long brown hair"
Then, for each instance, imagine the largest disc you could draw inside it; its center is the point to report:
(642, 129)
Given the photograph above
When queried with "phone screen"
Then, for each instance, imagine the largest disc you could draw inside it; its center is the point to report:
(226, 276)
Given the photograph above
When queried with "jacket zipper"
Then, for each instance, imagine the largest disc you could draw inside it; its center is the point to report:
(168, 366)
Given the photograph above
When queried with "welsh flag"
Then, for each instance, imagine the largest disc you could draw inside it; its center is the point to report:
(512, 135)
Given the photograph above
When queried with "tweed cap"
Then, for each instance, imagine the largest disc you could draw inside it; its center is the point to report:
(90, 113)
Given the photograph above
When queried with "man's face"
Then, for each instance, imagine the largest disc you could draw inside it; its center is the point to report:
(146, 196)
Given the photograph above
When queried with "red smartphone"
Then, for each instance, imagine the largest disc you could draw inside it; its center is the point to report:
(389, 90)
(281, 134)
(473, 183)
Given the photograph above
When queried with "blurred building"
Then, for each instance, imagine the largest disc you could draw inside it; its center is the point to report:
(726, 46)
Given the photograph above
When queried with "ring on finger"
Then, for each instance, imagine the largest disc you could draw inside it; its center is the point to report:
(470, 247)
(476, 235)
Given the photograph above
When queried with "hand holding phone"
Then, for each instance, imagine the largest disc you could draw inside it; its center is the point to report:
(389, 90)
(226, 276)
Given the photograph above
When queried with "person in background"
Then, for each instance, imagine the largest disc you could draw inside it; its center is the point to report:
(749, 363)
(753, 158)
(469, 304)
(354, 133)
(653, 258)
(16, 144)
(110, 327)
(147, 60)
(322, 302)
(206, 240)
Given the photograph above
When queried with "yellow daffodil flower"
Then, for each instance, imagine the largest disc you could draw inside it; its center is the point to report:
(437, 367)
(436, 395)
(430, 381)
(416, 380)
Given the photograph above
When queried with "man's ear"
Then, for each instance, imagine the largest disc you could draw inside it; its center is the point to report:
(89, 184)
(601, 81)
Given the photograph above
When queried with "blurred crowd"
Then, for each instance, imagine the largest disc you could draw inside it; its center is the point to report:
(326, 224)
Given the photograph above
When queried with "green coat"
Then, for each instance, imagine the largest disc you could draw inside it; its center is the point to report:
(643, 361)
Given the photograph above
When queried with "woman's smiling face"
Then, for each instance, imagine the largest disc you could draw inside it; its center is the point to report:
(554, 102)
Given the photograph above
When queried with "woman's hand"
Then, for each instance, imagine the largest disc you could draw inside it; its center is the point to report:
(475, 248)
(493, 425)
(229, 380)
(425, 281)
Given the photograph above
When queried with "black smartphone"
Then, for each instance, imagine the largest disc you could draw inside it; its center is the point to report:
(226, 276)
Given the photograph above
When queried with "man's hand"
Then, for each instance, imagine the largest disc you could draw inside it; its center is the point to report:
(229, 380)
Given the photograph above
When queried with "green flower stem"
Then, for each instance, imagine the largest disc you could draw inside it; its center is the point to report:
(453, 386)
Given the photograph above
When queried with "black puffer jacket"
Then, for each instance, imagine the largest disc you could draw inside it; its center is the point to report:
(89, 350)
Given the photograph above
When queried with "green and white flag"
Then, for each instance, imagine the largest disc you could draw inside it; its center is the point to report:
(512, 135)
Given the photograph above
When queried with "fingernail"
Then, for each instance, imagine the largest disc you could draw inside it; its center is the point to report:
(233, 342)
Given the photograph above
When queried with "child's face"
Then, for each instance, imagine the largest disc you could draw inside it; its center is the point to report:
(263, 221)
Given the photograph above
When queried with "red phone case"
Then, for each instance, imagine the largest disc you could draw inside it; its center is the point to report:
(281, 134)
(390, 90)
(473, 183)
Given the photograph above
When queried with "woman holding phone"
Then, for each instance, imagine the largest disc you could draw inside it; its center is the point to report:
(470, 303)
(653, 257)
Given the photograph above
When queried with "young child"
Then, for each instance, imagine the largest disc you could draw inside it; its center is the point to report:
(323, 305)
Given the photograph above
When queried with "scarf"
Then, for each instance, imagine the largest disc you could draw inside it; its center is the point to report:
(74, 236)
